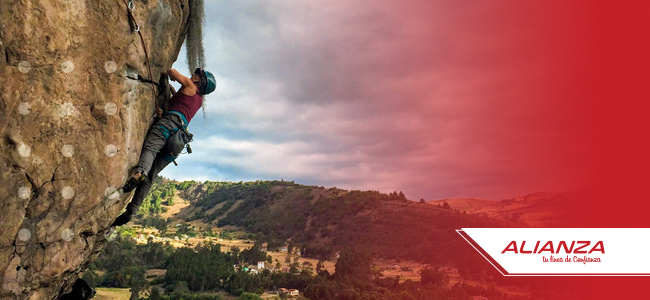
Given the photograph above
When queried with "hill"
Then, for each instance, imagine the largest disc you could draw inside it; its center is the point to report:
(320, 222)
(537, 209)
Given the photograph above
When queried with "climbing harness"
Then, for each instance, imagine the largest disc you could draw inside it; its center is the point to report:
(130, 6)
(177, 139)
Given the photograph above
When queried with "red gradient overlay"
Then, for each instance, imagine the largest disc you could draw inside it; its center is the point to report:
(612, 88)
(543, 95)
(554, 95)
(489, 99)
(594, 86)
(485, 97)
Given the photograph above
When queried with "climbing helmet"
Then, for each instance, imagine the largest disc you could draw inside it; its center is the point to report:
(208, 82)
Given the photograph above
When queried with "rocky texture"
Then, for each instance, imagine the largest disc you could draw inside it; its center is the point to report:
(72, 122)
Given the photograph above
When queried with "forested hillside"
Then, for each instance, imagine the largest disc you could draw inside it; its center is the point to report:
(319, 222)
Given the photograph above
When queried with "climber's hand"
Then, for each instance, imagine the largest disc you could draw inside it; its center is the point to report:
(159, 112)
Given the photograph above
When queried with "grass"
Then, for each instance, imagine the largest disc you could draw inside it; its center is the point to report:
(112, 294)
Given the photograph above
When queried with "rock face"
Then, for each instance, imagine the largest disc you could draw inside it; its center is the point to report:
(73, 116)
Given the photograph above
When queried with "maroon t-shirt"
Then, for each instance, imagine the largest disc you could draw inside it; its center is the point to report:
(187, 105)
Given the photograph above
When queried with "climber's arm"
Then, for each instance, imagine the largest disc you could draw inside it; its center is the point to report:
(188, 87)
(177, 76)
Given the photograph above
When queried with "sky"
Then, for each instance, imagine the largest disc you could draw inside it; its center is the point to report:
(437, 99)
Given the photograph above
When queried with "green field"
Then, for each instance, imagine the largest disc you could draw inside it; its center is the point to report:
(112, 294)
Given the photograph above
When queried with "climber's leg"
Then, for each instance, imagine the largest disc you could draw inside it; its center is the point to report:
(152, 161)
(154, 142)
(141, 191)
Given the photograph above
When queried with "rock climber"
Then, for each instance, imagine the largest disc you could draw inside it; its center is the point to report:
(167, 137)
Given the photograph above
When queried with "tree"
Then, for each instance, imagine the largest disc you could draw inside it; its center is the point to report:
(445, 205)
(155, 294)
(353, 265)
(433, 276)
(157, 206)
(205, 268)
(92, 277)
(135, 291)
(422, 200)
(234, 253)
(180, 288)
(135, 278)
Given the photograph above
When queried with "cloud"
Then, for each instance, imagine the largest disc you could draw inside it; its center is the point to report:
(433, 98)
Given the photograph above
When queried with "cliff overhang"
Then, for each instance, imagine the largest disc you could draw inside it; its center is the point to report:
(74, 112)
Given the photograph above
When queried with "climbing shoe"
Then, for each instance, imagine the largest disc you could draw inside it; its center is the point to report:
(133, 183)
(122, 219)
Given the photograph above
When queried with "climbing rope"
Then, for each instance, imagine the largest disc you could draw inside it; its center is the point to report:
(136, 28)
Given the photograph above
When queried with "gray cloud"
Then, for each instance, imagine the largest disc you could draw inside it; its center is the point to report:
(379, 95)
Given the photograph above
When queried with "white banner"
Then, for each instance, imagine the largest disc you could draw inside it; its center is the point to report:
(563, 251)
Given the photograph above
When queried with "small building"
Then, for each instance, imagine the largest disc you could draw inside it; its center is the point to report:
(289, 292)
(260, 265)
(284, 249)
(254, 271)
